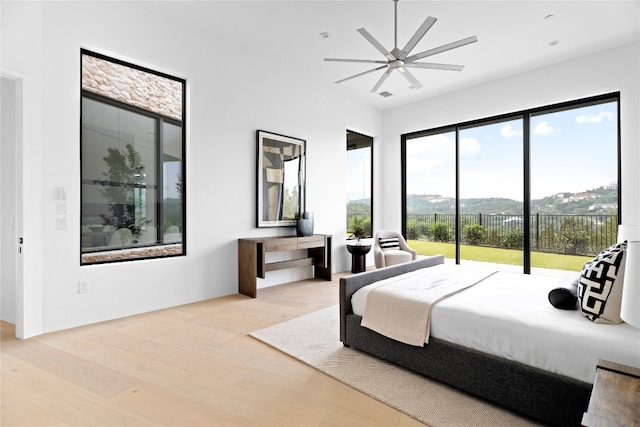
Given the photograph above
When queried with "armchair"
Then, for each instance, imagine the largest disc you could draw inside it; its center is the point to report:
(394, 249)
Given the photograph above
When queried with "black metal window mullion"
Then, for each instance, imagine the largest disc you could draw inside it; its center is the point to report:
(526, 233)
(457, 175)
(183, 168)
(618, 101)
(160, 180)
(403, 184)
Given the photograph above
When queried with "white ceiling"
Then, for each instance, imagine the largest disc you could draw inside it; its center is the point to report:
(513, 37)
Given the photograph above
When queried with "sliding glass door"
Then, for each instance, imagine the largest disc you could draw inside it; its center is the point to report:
(536, 188)
(430, 201)
(491, 192)
(574, 180)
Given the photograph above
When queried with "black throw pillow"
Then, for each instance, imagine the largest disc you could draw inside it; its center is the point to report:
(565, 297)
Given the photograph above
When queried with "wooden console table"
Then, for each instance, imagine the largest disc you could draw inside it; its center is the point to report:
(252, 260)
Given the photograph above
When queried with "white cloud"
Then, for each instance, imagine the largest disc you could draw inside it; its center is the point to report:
(469, 146)
(508, 132)
(595, 118)
(544, 129)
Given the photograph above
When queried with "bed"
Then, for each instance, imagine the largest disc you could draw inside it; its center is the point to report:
(554, 395)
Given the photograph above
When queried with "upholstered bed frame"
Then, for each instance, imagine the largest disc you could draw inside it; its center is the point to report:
(550, 398)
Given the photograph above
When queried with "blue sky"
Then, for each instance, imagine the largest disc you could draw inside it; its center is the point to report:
(571, 151)
(358, 174)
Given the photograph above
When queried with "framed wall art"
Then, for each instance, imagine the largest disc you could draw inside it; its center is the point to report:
(281, 179)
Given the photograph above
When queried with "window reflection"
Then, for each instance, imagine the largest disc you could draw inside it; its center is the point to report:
(132, 161)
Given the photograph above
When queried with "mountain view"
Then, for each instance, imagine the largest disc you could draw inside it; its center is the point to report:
(603, 200)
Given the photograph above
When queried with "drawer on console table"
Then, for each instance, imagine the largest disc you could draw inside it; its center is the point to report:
(284, 244)
(310, 242)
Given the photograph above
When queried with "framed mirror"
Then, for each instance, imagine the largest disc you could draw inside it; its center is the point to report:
(281, 179)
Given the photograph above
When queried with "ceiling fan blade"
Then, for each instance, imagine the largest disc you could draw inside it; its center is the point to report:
(433, 66)
(382, 79)
(376, 44)
(363, 61)
(410, 78)
(426, 26)
(441, 49)
(361, 74)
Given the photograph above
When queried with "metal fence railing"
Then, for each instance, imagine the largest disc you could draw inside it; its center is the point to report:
(567, 234)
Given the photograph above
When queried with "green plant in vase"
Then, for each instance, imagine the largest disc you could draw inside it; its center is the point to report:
(357, 228)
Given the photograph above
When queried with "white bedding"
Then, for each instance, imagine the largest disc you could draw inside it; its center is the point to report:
(401, 307)
(509, 315)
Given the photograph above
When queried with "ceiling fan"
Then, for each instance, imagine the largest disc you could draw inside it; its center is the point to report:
(400, 59)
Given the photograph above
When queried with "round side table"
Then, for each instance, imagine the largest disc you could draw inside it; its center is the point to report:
(358, 257)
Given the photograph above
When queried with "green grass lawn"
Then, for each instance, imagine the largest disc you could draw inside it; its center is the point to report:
(501, 256)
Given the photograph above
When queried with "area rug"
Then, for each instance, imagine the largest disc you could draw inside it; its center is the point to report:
(314, 340)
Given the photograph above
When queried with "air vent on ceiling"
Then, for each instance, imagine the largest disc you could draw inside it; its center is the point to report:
(385, 94)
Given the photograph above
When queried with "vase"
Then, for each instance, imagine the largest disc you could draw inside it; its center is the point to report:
(305, 225)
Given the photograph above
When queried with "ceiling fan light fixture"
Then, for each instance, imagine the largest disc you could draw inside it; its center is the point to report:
(397, 59)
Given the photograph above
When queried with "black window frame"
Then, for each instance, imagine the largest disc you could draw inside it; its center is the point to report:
(526, 116)
(160, 120)
(358, 145)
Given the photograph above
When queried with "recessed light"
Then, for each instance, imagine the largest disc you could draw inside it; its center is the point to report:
(553, 42)
(548, 17)
(324, 35)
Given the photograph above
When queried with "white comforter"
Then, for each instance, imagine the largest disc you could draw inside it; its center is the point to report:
(509, 315)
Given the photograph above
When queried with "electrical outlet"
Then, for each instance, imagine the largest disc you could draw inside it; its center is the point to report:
(83, 287)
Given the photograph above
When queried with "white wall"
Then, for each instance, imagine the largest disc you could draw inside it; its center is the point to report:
(227, 103)
(605, 72)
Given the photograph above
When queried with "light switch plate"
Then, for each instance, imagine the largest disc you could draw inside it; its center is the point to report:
(62, 193)
(62, 208)
(62, 223)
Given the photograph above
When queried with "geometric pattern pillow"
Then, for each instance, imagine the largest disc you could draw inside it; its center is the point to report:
(600, 286)
(389, 243)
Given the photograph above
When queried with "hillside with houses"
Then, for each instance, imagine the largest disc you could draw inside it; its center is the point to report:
(602, 200)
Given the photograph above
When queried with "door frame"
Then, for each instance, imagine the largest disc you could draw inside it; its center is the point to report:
(20, 308)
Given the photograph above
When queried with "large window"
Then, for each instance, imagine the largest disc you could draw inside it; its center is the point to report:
(132, 167)
(574, 178)
(536, 188)
(491, 187)
(359, 184)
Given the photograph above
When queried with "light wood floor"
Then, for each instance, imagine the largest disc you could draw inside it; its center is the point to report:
(192, 365)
